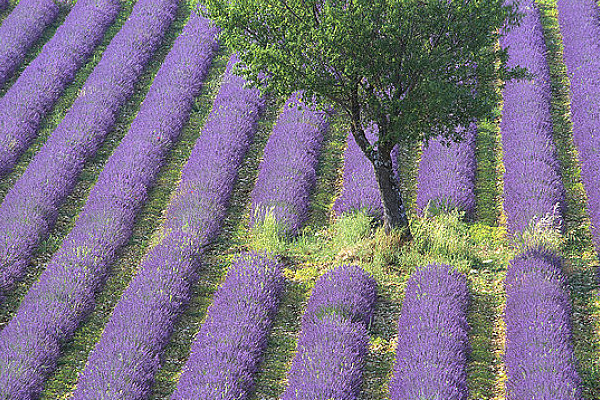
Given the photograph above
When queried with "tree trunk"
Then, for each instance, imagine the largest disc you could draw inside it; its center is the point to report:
(394, 213)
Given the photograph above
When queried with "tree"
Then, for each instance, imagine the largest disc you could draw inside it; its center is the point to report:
(416, 68)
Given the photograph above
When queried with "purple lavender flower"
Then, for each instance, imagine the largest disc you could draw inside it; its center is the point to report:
(532, 182)
(29, 209)
(287, 174)
(127, 356)
(226, 351)
(431, 357)
(58, 302)
(3, 4)
(43, 81)
(447, 174)
(578, 20)
(20, 30)
(334, 340)
(540, 363)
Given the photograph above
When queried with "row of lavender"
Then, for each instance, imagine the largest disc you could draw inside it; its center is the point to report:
(539, 355)
(446, 178)
(225, 355)
(532, 182)
(29, 209)
(21, 29)
(43, 81)
(334, 340)
(64, 294)
(540, 363)
(287, 174)
(124, 361)
(432, 351)
(578, 20)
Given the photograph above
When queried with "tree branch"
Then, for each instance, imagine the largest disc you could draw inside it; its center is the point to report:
(357, 130)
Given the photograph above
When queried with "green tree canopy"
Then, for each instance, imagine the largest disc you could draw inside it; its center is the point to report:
(417, 68)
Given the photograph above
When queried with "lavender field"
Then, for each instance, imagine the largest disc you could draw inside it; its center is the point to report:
(168, 232)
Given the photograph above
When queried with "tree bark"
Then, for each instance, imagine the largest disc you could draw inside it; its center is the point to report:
(394, 213)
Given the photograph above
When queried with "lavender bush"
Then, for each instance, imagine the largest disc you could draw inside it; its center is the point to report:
(540, 362)
(43, 81)
(287, 174)
(56, 304)
(334, 340)
(29, 209)
(127, 356)
(578, 20)
(226, 351)
(446, 177)
(532, 182)
(20, 30)
(431, 357)
(3, 4)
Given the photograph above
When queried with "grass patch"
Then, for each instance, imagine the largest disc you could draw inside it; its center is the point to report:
(489, 170)
(479, 251)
